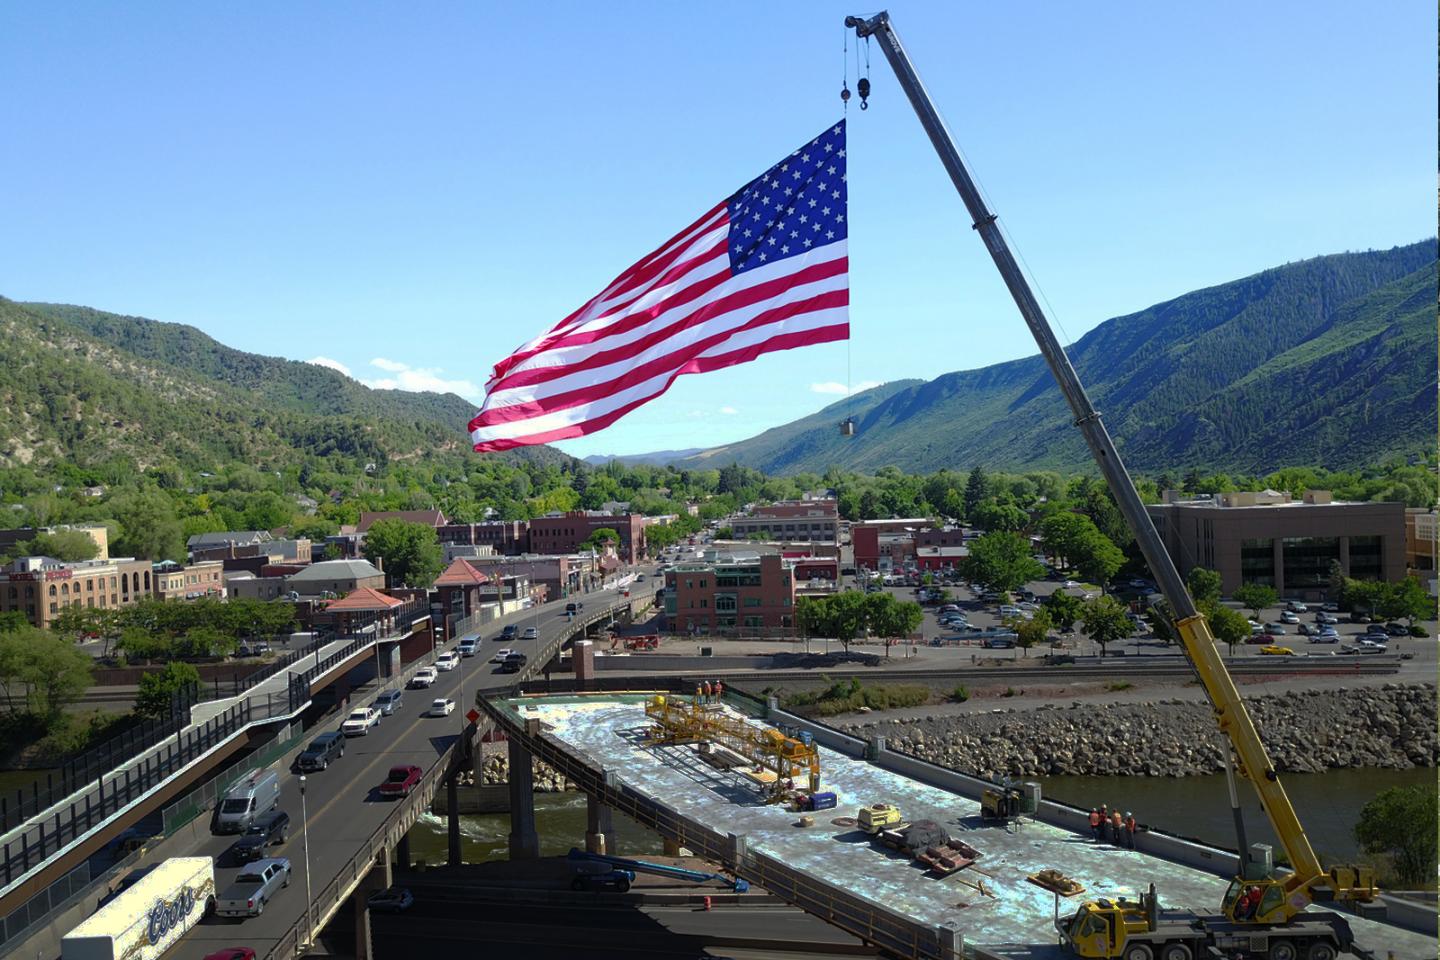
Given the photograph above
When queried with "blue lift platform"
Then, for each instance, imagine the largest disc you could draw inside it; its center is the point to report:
(659, 869)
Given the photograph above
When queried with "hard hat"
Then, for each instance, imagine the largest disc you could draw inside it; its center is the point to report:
(1129, 814)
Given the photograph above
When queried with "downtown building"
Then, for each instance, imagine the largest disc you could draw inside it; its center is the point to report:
(42, 587)
(742, 593)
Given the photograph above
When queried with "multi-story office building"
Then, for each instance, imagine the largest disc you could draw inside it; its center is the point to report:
(742, 593)
(41, 587)
(791, 520)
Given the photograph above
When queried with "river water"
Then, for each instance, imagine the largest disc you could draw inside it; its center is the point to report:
(1328, 805)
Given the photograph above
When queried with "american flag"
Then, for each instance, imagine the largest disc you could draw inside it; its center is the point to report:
(765, 270)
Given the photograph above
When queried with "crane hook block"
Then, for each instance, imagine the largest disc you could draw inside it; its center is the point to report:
(864, 87)
(844, 94)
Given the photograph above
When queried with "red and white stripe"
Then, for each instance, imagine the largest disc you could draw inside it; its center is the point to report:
(677, 311)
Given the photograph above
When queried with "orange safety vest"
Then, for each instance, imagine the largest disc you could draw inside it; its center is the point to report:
(1095, 818)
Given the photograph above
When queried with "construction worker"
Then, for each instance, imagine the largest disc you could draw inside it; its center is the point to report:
(1117, 829)
(719, 690)
(1130, 827)
(706, 688)
(699, 690)
(1095, 822)
(1104, 821)
(1249, 901)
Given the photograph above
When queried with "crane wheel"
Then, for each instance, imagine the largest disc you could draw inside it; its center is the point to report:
(1138, 951)
(1321, 950)
(1177, 951)
(1282, 950)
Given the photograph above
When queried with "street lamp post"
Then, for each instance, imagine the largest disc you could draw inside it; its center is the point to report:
(305, 843)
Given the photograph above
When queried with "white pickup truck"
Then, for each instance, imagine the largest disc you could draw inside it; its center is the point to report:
(360, 721)
(256, 885)
(145, 920)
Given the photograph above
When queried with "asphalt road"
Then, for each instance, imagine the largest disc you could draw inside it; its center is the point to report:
(343, 805)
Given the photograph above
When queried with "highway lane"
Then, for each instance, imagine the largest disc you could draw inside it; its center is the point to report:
(344, 809)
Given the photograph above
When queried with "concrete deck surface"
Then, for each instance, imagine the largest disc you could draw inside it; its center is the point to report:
(1015, 921)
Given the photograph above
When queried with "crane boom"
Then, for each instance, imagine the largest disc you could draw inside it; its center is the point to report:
(1253, 763)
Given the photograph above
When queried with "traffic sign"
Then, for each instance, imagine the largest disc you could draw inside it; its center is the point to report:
(473, 715)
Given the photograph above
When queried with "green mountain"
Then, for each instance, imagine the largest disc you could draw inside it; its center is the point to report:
(1329, 361)
(89, 388)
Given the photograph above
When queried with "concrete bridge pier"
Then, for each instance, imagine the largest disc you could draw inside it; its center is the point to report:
(599, 827)
(377, 878)
(524, 840)
(402, 853)
(452, 819)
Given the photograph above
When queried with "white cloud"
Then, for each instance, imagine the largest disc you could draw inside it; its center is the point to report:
(729, 411)
(831, 386)
(332, 364)
(416, 379)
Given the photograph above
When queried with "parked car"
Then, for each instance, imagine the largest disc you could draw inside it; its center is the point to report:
(513, 663)
(360, 721)
(501, 654)
(394, 900)
(1255, 628)
(256, 885)
(423, 677)
(531, 634)
(323, 750)
(1308, 631)
(389, 701)
(1326, 636)
(1278, 629)
(1330, 607)
(447, 661)
(469, 646)
(1262, 639)
(1363, 646)
(401, 780)
(1295, 606)
(1289, 616)
(268, 828)
(950, 608)
(1273, 650)
(441, 707)
(1397, 630)
(1323, 617)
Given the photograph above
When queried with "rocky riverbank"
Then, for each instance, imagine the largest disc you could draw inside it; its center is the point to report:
(495, 770)
(1391, 726)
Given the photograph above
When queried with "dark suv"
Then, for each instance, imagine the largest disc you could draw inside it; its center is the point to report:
(272, 827)
(513, 663)
(323, 750)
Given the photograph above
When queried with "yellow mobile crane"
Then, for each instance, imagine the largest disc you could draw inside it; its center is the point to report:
(1136, 930)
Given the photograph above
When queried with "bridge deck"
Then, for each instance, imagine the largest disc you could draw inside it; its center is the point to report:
(1015, 921)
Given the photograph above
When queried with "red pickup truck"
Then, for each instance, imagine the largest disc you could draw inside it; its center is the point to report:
(401, 781)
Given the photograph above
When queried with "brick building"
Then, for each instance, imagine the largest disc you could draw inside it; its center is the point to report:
(503, 536)
(182, 581)
(791, 520)
(888, 544)
(735, 594)
(1270, 538)
(40, 587)
(563, 533)
(1422, 538)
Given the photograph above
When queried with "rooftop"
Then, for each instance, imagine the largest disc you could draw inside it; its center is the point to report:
(225, 537)
(430, 518)
(337, 570)
(365, 598)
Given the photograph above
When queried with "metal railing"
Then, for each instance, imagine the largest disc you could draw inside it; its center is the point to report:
(57, 896)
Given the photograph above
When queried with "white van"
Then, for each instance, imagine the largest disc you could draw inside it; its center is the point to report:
(146, 920)
(246, 800)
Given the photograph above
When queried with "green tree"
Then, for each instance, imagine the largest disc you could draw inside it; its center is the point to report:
(977, 488)
(890, 618)
(1098, 558)
(1104, 621)
(410, 552)
(1228, 626)
(1063, 609)
(205, 641)
(158, 689)
(138, 643)
(1162, 621)
(67, 545)
(1410, 601)
(1032, 632)
(1204, 584)
(996, 515)
(1400, 824)
(601, 538)
(149, 528)
(1255, 597)
(1001, 562)
(53, 670)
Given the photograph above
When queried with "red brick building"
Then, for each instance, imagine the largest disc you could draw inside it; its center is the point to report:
(563, 533)
(791, 520)
(741, 594)
(507, 537)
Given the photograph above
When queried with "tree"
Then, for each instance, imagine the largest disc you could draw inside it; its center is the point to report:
(1104, 621)
(409, 552)
(54, 671)
(205, 641)
(137, 643)
(600, 539)
(888, 617)
(1162, 621)
(1098, 558)
(1411, 601)
(994, 514)
(1032, 632)
(1256, 597)
(158, 690)
(67, 545)
(148, 526)
(1063, 609)
(1228, 626)
(1400, 824)
(977, 488)
(1204, 584)
(1001, 562)
(847, 616)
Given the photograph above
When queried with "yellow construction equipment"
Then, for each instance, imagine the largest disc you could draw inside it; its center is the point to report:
(778, 759)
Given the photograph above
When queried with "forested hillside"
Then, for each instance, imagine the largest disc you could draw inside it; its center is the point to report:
(1329, 361)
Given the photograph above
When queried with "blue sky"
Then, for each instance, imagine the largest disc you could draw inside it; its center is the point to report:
(413, 190)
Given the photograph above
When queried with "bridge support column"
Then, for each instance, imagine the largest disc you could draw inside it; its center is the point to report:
(378, 878)
(402, 853)
(599, 827)
(524, 841)
(952, 945)
(452, 819)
